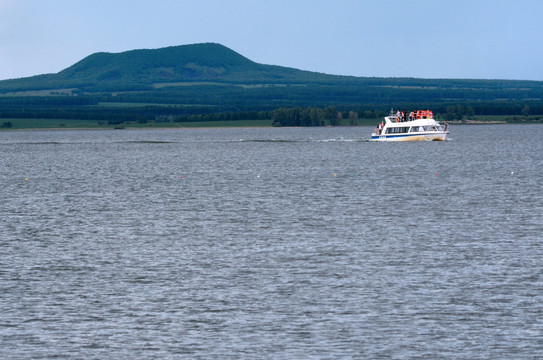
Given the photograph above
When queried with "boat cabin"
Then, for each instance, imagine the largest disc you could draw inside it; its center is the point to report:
(411, 129)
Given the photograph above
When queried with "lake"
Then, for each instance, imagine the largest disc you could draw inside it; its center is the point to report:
(271, 243)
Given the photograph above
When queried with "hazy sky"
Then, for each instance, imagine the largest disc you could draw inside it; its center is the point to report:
(482, 39)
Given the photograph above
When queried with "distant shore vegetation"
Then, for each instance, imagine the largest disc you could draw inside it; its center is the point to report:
(281, 117)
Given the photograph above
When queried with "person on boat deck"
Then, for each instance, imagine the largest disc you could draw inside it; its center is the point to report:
(398, 114)
(412, 115)
(380, 127)
(403, 116)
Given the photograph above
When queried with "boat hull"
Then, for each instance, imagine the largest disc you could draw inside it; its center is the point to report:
(434, 136)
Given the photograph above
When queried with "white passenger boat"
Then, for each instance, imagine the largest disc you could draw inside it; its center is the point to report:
(416, 126)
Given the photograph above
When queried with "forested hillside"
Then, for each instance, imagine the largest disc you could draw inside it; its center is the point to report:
(210, 81)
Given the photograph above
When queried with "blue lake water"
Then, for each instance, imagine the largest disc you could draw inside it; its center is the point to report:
(308, 243)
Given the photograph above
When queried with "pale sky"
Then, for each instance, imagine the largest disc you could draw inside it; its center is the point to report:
(478, 39)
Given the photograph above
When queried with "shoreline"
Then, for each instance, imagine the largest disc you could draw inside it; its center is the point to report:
(237, 126)
(481, 122)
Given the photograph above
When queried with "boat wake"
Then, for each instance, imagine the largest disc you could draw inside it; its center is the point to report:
(302, 140)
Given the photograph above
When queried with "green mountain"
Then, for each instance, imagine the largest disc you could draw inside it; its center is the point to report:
(143, 68)
(199, 62)
(210, 78)
(215, 63)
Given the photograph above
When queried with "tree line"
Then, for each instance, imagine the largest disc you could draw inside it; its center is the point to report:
(104, 109)
(314, 116)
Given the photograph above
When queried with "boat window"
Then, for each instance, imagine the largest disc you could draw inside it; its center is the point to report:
(397, 130)
(416, 129)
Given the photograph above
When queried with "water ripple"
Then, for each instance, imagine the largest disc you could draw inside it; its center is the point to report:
(303, 243)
